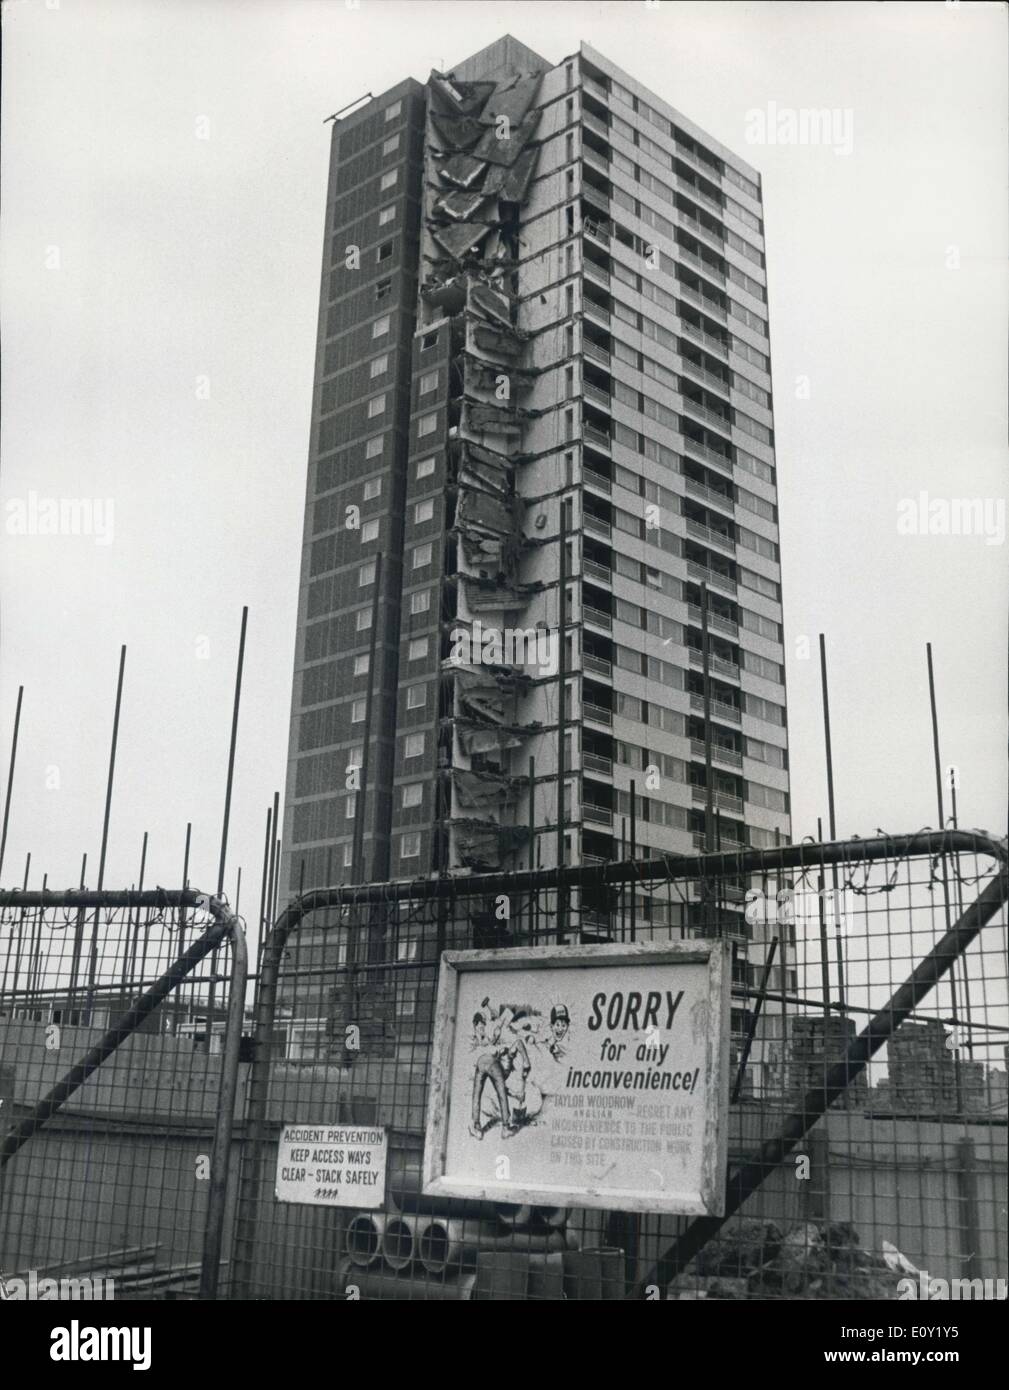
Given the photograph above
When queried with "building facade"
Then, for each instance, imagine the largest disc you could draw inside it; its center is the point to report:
(542, 438)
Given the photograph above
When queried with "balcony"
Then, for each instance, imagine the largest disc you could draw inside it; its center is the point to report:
(595, 311)
(602, 815)
(597, 713)
(710, 536)
(596, 394)
(727, 846)
(712, 238)
(594, 570)
(594, 88)
(595, 762)
(716, 664)
(715, 622)
(719, 709)
(720, 753)
(598, 617)
(595, 353)
(703, 266)
(597, 665)
(596, 230)
(710, 417)
(711, 456)
(596, 272)
(591, 435)
(708, 494)
(705, 170)
(595, 160)
(716, 383)
(596, 526)
(707, 340)
(597, 199)
(701, 301)
(597, 480)
(591, 122)
(722, 800)
(692, 191)
(703, 575)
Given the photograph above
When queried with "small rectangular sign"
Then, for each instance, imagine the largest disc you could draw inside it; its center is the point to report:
(332, 1165)
(593, 1076)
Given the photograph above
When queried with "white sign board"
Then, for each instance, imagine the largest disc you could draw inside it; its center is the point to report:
(332, 1165)
(593, 1076)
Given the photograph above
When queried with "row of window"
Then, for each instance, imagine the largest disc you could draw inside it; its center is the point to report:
(671, 131)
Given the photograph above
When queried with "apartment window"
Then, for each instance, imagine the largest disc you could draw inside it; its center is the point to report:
(357, 711)
(416, 696)
(413, 745)
(380, 326)
(383, 289)
(376, 406)
(366, 575)
(391, 112)
(387, 215)
(350, 807)
(384, 252)
(409, 845)
(391, 145)
(428, 382)
(420, 602)
(374, 446)
(427, 424)
(379, 365)
(348, 855)
(653, 577)
(363, 619)
(369, 532)
(389, 179)
(417, 649)
(425, 468)
(424, 511)
(429, 340)
(422, 555)
(362, 664)
(407, 949)
(413, 795)
(372, 489)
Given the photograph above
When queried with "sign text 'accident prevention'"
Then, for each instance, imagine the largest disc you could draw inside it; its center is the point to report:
(332, 1165)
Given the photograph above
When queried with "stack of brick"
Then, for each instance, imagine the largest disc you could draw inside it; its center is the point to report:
(923, 1073)
(817, 1042)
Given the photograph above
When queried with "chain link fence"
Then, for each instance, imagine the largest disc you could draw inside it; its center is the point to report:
(867, 1129)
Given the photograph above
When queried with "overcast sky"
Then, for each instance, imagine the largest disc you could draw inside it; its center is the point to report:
(164, 184)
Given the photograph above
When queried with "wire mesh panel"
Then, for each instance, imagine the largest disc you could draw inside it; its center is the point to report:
(108, 1118)
(874, 969)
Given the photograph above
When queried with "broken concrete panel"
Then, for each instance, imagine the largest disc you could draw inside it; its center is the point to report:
(458, 241)
(462, 170)
(512, 99)
(462, 204)
(456, 132)
(497, 150)
(516, 184)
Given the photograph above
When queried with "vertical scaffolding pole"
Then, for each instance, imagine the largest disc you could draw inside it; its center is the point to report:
(833, 824)
(10, 779)
(941, 823)
(93, 954)
(231, 755)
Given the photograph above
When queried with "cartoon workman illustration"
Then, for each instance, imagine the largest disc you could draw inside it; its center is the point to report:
(502, 1060)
